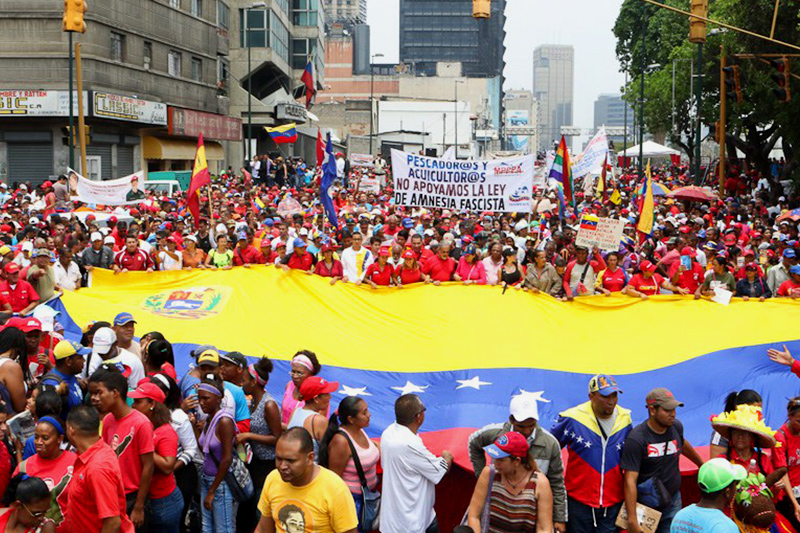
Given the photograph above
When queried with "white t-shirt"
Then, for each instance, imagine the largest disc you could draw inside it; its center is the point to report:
(410, 475)
(125, 358)
(168, 263)
(67, 278)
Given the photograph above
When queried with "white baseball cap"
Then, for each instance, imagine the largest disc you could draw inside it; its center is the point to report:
(104, 339)
(97, 236)
(109, 240)
(27, 246)
(523, 407)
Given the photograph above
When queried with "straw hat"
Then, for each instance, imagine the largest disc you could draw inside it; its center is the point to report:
(746, 418)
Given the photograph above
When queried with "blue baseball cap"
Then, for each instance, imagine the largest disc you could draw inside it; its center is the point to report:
(123, 318)
(604, 384)
(242, 235)
(269, 222)
(408, 223)
(795, 270)
(790, 253)
(701, 234)
(298, 243)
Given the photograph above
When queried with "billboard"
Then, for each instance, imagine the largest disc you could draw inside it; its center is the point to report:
(514, 118)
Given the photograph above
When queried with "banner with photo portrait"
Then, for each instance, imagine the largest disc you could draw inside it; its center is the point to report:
(122, 191)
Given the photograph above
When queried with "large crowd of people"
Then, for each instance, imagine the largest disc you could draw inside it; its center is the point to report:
(121, 442)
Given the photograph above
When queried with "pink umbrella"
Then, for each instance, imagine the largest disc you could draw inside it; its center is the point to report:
(693, 193)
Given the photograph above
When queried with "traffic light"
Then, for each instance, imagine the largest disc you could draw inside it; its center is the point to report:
(697, 27)
(73, 16)
(733, 83)
(481, 9)
(87, 135)
(782, 76)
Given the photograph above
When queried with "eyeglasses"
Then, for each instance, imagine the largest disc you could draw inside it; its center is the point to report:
(37, 514)
(296, 373)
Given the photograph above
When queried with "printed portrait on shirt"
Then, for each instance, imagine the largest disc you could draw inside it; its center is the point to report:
(293, 517)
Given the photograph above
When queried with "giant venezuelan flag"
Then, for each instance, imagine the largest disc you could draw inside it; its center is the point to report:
(464, 350)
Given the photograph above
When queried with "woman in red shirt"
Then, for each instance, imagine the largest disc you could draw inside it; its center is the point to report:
(329, 267)
(53, 465)
(613, 278)
(647, 283)
(166, 500)
(788, 436)
(408, 271)
(27, 510)
(380, 272)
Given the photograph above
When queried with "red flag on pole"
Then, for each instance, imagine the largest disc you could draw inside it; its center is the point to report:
(320, 148)
(200, 177)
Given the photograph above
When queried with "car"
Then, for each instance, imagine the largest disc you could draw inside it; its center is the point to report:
(163, 187)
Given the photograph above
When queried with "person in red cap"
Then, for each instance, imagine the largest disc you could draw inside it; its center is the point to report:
(686, 273)
(408, 271)
(752, 284)
(328, 266)
(166, 501)
(316, 393)
(380, 272)
(511, 493)
(17, 292)
(647, 283)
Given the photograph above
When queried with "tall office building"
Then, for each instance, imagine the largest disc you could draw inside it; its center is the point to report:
(553, 74)
(352, 11)
(609, 110)
(434, 31)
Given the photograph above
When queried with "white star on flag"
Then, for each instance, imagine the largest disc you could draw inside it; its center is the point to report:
(580, 439)
(409, 388)
(354, 391)
(472, 383)
(588, 444)
(537, 396)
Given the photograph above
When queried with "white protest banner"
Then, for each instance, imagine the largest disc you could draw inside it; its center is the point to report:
(369, 184)
(504, 185)
(604, 233)
(591, 161)
(361, 160)
(121, 191)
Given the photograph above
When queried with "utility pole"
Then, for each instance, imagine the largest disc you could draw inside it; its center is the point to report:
(71, 111)
(81, 121)
(697, 133)
(641, 91)
(723, 100)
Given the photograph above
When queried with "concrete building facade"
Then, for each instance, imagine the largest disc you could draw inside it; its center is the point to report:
(347, 11)
(610, 110)
(553, 78)
(153, 74)
(521, 113)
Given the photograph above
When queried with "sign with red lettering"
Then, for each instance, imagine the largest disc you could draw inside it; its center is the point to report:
(193, 123)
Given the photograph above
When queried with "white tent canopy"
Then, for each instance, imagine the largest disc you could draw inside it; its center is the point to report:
(650, 149)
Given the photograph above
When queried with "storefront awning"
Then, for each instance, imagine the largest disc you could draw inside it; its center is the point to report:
(179, 150)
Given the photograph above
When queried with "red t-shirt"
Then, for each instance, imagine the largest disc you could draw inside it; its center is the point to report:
(19, 296)
(266, 259)
(139, 260)
(166, 445)
(408, 275)
(688, 279)
(130, 437)
(335, 271)
(438, 269)
(96, 492)
(614, 281)
(378, 275)
(248, 256)
(649, 286)
(789, 288)
(57, 474)
(789, 449)
(302, 262)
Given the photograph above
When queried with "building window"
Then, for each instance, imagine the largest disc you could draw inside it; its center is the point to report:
(279, 39)
(117, 47)
(175, 3)
(147, 55)
(197, 8)
(304, 12)
(223, 70)
(197, 69)
(174, 63)
(301, 49)
(257, 33)
(283, 5)
(223, 15)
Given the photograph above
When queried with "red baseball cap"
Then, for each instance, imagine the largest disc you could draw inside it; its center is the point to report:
(11, 268)
(647, 266)
(314, 386)
(148, 390)
(510, 444)
(688, 250)
(327, 248)
(408, 254)
(29, 324)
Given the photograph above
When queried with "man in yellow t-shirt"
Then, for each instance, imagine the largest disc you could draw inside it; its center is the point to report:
(300, 496)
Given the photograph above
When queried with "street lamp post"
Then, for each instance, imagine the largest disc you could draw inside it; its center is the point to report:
(641, 91)
(371, 99)
(256, 5)
(699, 98)
(456, 114)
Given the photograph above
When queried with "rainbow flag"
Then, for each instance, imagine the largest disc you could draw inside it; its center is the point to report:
(462, 388)
(283, 134)
(645, 224)
(561, 171)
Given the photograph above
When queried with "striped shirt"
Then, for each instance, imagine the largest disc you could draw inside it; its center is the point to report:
(509, 513)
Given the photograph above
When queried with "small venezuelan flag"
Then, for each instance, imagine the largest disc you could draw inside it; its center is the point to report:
(283, 134)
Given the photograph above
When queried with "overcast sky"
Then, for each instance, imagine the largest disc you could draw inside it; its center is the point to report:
(585, 24)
